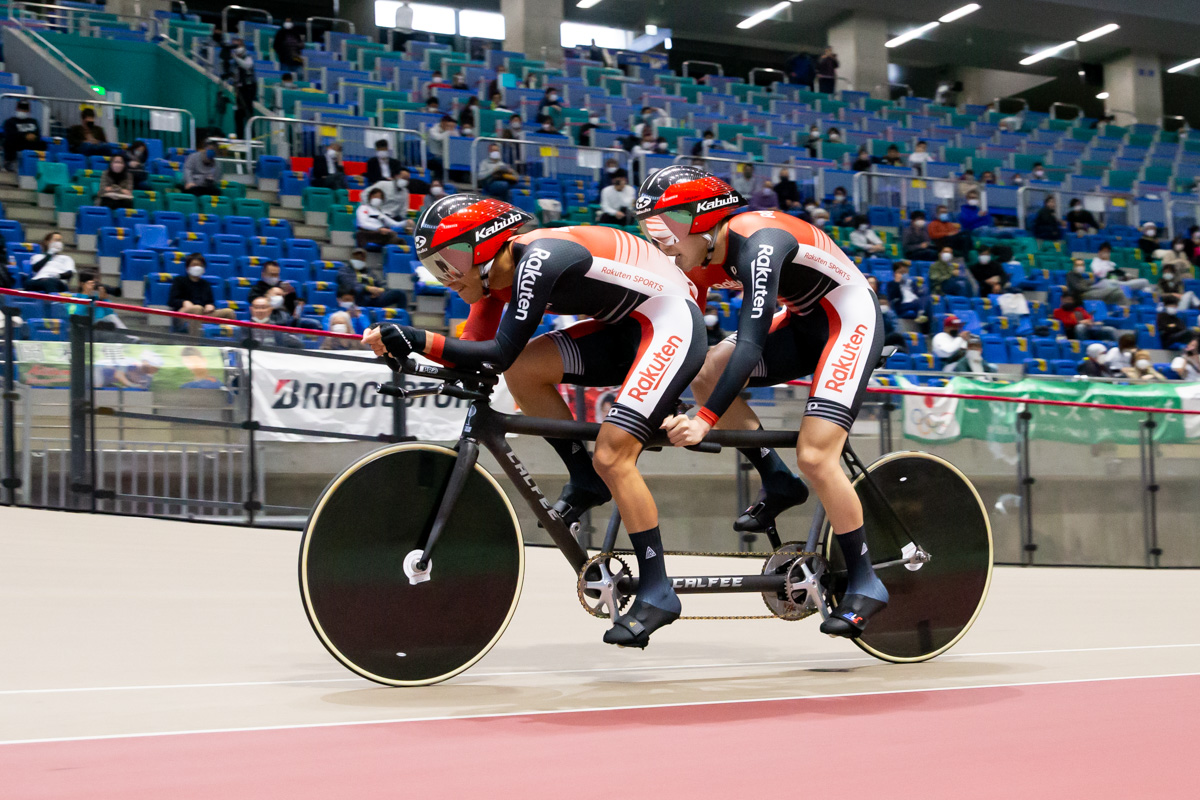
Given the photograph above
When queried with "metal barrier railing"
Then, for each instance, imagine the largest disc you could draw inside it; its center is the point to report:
(545, 160)
(1118, 208)
(1054, 107)
(225, 15)
(122, 122)
(59, 54)
(810, 179)
(904, 191)
(686, 64)
(76, 19)
(333, 23)
(288, 137)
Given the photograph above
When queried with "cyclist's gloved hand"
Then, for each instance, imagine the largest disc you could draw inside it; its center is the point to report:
(401, 340)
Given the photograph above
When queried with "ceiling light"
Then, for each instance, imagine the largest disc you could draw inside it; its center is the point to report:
(1096, 34)
(587, 3)
(1102, 96)
(1184, 65)
(651, 30)
(913, 34)
(754, 19)
(667, 43)
(1044, 54)
(959, 13)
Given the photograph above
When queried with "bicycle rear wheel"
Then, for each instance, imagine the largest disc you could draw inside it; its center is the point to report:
(359, 599)
(931, 607)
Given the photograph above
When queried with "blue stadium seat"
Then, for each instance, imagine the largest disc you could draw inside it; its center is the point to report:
(192, 242)
(152, 237)
(994, 350)
(293, 272)
(238, 226)
(1037, 366)
(251, 266)
(11, 230)
(137, 264)
(111, 242)
(266, 247)
(280, 229)
(47, 330)
(1018, 349)
(1064, 366)
(304, 249)
(90, 219)
(158, 288)
(174, 222)
(1147, 337)
(238, 289)
(397, 260)
(173, 261)
(130, 217)
(220, 265)
(899, 361)
(208, 224)
(1044, 348)
(270, 167)
(217, 283)
(321, 292)
(228, 244)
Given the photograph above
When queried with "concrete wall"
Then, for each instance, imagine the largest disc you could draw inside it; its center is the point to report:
(982, 86)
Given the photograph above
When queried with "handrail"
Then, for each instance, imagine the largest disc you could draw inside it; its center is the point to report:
(1184, 127)
(292, 121)
(720, 69)
(308, 24)
(1058, 192)
(75, 100)
(862, 199)
(620, 152)
(1055, 106)
(181, 4)
(87, 76)
(71, 12)
(908, 90)
(1025, 103)
(225, 16)
(756, 70)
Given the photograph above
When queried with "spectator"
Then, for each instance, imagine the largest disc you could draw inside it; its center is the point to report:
(919, 157)
(287, 81)
(974, 221)
(327, 171)
(289, 46)
(1046, 225)
(1176, 257)
(906, 297)
(743, 180)
(374, 226)
(550, 103)
(1095, 365)
(945, 232)
(1109, 274)
(972, 360)
(439, 145)
(467, 117)
(616, 200)
(802, 70)
(1169, 284)
(281, 296)
(988, 178)
(116, 185)
(1120, 357)
(191, 294)
(787, 192)
(202, 171)
(105, 319)
(383, 167)
(262, 312)
(1038, 173)
(1187, 365)
(892, 334)
(496, 178)
(459, 82)
(1077, 323)
(356, 285)
(136, 159)
(648, 119)
(432, 106)
(1143, 369)
(967, 183)
(52, 269)
(862, 161)
(951, 344)
(1193, 247)
(341, 322)
(863, 239)
(816, 215)
(1082, 286)
(21, 132)
(87, 138)
(834, 135)
(436, 192)
(947, 276)
(765, 198)
(893, 158)
(396, 197)
(712, 326)
(438, 82)
(1171, 329)
(916, 242)
(841, 210)
(496, 86)
(988, 273)
(827, 67)
(496, 102)
(513, 129)
(1148, 243)
(814, 141)
(245, 84)
(1080, 220)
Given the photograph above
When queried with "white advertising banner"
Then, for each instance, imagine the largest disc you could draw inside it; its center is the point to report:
(295, 391)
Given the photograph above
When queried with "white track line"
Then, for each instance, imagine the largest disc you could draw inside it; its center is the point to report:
(647, 668)
(500, 715)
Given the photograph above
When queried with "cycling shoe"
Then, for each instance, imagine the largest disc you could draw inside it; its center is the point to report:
(850, 618)
(573, 502)
(760, 517)
(633, 628)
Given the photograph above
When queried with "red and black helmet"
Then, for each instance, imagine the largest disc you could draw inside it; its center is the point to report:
(681, 200)
(461, 231)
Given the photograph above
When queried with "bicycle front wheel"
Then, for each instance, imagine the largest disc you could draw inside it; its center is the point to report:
(923, 499)
(356, 593)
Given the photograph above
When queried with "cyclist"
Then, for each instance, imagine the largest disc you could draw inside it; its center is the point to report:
(645, 332)
(829, 326)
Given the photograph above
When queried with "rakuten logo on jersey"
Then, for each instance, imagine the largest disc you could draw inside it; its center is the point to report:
(497, 226)
(705, 206)
(531, 270)
(846, 366)
(760, 270)
(650, 377)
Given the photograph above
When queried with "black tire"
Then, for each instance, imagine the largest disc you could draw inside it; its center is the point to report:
(359, 600)
(933, 607)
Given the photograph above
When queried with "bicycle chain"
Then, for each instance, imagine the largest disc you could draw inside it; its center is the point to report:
(711, 617)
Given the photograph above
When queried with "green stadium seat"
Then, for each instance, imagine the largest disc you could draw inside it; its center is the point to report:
(148, 200)
(183, 203)
(255, 209)
(221, 206)
(233, 190)
(51, 174)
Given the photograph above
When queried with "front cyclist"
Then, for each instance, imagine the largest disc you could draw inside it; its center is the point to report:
(645, 332)
(830, 326)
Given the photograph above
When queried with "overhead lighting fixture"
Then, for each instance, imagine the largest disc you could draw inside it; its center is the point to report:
(651, 30)
(959, 13)
(1185, 65)
(754, 19)
(1044, 54)
(667, 43)
(587, 3)
(1102, 96)
(1096, 34)
(913, 34)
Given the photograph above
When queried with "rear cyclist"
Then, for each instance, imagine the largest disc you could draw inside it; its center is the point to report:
(645, 332)
(829, 326)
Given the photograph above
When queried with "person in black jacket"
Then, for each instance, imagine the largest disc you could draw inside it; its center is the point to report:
(1046, 225)
(21, 132)
(382, 167)
(327, 168)
(354, 278)
(191, 294)
(289, 47)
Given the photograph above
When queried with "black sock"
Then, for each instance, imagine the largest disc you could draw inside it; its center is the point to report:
(653, 585)
(776, 477)
(575, 455)
(860, 573)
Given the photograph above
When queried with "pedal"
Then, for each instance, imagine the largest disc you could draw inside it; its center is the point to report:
(415, 575)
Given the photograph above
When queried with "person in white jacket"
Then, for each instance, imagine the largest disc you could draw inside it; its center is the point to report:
(439, 145)
(374, 226)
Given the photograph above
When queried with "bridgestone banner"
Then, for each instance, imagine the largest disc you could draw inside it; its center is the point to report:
(936, 418)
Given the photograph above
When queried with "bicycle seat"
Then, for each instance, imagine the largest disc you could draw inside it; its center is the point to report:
(887, 352)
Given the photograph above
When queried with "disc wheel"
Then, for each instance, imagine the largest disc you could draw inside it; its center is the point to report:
(932, 607)
(357, 596)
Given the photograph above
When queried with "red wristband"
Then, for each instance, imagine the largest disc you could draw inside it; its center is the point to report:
(708, 417)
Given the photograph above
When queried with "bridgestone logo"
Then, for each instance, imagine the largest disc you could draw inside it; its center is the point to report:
(713, 205)
(761, 270)
(846, 366)
(651, 376)
(497, 226)
(531, 270)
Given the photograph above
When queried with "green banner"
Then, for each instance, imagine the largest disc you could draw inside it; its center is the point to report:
(136, 367)
(938, 418)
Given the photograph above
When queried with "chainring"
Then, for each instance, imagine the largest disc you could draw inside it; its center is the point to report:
(785, 605)
(804, 586)
(609, 601)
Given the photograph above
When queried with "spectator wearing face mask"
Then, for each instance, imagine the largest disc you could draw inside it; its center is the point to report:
(1082, 286)
(262, 312)
(972, 219)
(1187, 365)
(988, 273)
(514, 128)
(841, 210)
(863, 161)
(813, 142)
(834, 136)
(374, 226)
(439, 144)
(947, 276)
(1148, 243)
(1142, 369)
(616, 200)
(915, 240)
(1080, 220)
(919, 157)
(245, 84)
(712, 327)
(787, 192)
(1108, 274)
(549, 105)
(202, 171)
(743, 181)
(972, 360)
(436, 192)
(1120, 358)
(438, 82)
(891, 323)
(1077, 323)
(87, 138)
(396, 197)
(946, 232)
(647, 120)
(21, 132)
(116, 185)
(827, 67)
(191, 294)
(1046, 225)
(967, 184)
(52, 269)
(467, 117)
(764, 199)
(907, 298)
(1172, 331)
(863, 239)
(1038, 173)
(496, 178)
(383, 167)
(137, 157)
(1170, 284)
(367, 289)
(281, 296)
(1176, 257)
(340, 322)
(1094, 365)
(289, 46)
(327, 171)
